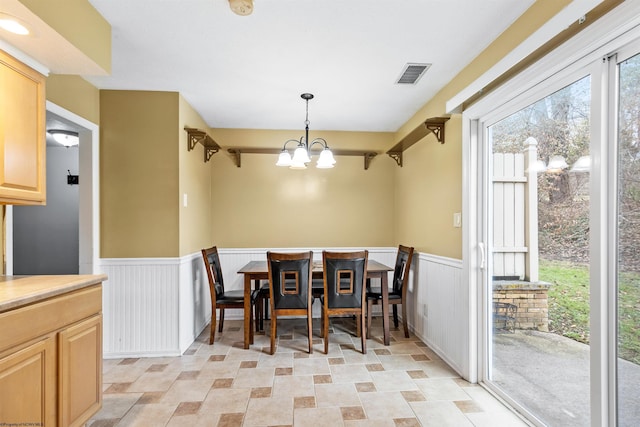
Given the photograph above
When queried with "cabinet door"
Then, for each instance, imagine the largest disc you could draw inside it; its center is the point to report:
(22, 133)
(80, 371)
(28, 385)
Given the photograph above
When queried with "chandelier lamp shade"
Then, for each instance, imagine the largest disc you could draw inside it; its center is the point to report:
(301, 155)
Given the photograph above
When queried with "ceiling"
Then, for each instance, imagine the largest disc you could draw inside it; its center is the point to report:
(249, 71)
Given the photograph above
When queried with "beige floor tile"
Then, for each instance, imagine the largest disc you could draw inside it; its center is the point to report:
(291, 386)
(399, 362)
(393, 381)
(229, 400)
(269, 412)
(337, 395)
(311, 366)
(201, 420)
(438, 369)
(505, 419)
(278, 360)
(440, 414)
(153, 381)
(187, 391)
(117, 405)
(369, 423)
(385, 405)
(441, 389)
(256, 377)
(350, 373)
(311, 417)
(148, 415)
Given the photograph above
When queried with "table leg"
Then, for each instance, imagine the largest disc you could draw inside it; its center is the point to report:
(384, 288)
(247, 311)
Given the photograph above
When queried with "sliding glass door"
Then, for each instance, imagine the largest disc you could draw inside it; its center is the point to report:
(628, 241)
(537, 287)
(558, 232)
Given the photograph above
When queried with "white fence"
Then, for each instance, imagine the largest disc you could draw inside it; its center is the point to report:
(515, 214)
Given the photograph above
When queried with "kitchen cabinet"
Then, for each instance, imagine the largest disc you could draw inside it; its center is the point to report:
(22, 133)
(50, 350)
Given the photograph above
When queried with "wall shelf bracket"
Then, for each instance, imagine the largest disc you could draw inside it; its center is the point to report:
(195, 136)
(434, 125)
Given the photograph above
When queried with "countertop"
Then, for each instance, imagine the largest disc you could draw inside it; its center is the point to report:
(17, 291)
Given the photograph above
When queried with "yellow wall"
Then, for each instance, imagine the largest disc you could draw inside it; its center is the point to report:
(75, 94)
(139, 179)
(265, 206)
(195, 181)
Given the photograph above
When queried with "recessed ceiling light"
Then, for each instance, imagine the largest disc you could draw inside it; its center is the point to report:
(13, 25)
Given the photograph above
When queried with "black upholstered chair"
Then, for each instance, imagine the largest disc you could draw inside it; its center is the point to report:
(345, 274)
(397, 290)
(290, 289)
(221, 299)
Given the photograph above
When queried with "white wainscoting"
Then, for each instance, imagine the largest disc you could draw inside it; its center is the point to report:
(439, 314)
(158, 306)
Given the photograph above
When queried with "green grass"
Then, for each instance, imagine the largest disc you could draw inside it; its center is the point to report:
(569, 305)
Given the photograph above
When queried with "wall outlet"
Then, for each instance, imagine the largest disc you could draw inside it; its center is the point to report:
(424, 310)
(184, 200)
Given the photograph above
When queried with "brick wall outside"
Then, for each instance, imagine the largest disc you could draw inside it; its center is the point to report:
(530, 300)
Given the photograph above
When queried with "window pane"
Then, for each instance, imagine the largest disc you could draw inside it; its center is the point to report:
(539, 256)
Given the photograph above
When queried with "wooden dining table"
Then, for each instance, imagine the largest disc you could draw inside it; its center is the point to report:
(254, 271)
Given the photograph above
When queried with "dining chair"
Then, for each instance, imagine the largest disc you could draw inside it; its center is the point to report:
(397, 291)
(290, 289)
(221, 299)
(345, 275)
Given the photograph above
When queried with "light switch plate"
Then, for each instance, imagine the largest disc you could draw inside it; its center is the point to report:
(457, 220)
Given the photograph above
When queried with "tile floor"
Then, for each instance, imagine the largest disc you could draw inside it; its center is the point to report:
(404, 384)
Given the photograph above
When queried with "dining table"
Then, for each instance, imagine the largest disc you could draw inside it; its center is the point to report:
(255, 271)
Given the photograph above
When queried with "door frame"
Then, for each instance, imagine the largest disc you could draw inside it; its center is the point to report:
(89, 196)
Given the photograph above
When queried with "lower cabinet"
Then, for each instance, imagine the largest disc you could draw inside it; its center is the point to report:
(54, 378)
(79, 359)
(28, 385)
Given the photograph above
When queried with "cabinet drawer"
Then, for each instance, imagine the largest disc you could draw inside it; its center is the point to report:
(32, 321)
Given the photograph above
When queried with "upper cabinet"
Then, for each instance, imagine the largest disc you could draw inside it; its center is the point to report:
(22, 134)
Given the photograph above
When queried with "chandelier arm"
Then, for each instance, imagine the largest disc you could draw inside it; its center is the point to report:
(320, 141)
(292, 140)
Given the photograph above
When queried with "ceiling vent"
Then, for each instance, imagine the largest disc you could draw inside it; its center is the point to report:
(412, 73)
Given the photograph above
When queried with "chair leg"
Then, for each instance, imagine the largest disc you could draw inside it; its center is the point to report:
(369, 309)
(363, 334)
(221, 320)
(258, 314)
(325, 331)
(274, 324)
(404, 321)
(395, 315)
(212, 333)
(310, 331)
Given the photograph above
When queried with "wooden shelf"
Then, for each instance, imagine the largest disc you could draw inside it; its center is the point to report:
(197, 135)
(237, 153)
(433, 125)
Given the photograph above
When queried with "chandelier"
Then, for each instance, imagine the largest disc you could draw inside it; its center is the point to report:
(241, 7)
(301, 155)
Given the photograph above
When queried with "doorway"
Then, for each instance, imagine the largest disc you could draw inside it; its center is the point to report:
(83, 237)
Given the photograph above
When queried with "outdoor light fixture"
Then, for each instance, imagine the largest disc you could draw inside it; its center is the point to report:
(65, 137)
(241, 7)
(301, 153)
